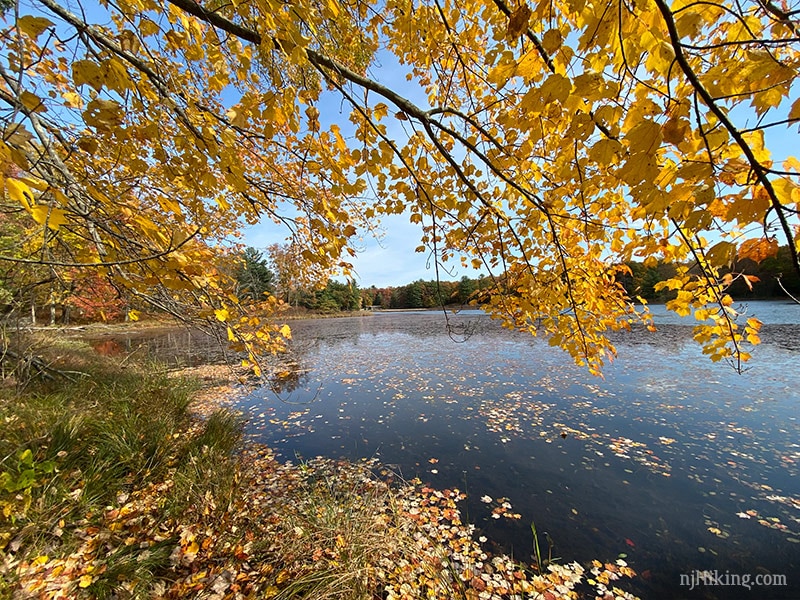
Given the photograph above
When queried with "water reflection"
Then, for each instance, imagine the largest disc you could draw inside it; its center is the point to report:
(174, 347)
(290, 377)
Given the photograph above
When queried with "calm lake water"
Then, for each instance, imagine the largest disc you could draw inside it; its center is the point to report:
(678, 463)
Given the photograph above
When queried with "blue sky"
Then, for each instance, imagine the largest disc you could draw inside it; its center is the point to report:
(392, 260)
(388, 262)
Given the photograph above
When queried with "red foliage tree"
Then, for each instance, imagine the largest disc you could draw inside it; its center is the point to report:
(94, 297)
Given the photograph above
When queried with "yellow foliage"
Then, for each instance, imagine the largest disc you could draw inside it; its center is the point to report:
(555, 141)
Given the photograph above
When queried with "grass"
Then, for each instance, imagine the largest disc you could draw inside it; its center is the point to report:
(94, 442)
(351, 526)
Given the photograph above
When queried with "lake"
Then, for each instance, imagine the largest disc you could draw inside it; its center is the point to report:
(679, 464)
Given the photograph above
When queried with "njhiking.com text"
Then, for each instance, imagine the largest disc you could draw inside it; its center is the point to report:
(699, 578)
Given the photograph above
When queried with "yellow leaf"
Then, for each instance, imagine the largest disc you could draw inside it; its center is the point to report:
(32, 102)
(605, 151)
(128, 41)
(57, 218)
(552, 40)
(644, 137)
(786, 190)
(690, 22)
(660, 57)
(794, 112)
(103, 114)
(87, 71)
(133, 315)
(19, 192)
(286, 332)
(333, 8)
(721, 253)
(500, 74)
(675, 130)
(148, 27)
(221, 314)
(72, 99)
(54, 217)
(85, 581)
(769, 98)
(88, 144)
(590, 86)
(33, 26)
(116, 76)
(555, 89)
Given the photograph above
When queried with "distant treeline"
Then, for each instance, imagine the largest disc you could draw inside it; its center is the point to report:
(640, 282)
(763, 278)
(255, 277)
(428, 294)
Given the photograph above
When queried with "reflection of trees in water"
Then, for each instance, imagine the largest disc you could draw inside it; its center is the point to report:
(288, 377)
(289, 373)
(171, 347)
(188, 347)
(329, 333)
(284, 373)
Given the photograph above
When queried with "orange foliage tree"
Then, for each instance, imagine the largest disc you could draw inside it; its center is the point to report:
(94, 297)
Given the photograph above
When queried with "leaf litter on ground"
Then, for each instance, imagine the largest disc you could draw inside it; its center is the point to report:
(317, 529)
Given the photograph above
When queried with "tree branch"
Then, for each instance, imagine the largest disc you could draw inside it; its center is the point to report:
(759, 170)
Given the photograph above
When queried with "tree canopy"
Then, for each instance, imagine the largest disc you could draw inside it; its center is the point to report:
(553, 141)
